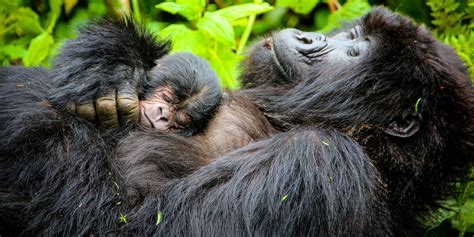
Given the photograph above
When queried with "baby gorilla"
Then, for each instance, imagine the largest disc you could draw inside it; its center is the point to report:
(180, 95)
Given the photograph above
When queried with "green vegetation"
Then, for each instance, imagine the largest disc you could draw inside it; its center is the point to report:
(32, 31)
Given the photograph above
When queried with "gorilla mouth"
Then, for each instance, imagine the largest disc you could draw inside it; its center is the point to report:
(268, 44)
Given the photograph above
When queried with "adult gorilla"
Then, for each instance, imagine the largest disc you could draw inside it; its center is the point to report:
(369, 120)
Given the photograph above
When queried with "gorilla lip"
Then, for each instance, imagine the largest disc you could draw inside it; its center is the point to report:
(269, 44)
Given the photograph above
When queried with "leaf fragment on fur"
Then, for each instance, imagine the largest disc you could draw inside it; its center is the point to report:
(324, 142)
(159, 216)
(123, 218)
(284, 197)
(417, 104)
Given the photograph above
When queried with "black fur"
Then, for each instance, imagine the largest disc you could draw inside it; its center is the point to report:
(193, 83)
(405, 64)
(331, 171)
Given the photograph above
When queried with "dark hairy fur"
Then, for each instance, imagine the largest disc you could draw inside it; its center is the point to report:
(405, 64)
(329, 170)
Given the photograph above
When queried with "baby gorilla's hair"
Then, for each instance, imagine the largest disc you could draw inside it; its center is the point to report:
(194, 87)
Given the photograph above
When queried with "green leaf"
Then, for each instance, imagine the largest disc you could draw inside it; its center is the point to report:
(96, 7)
(28, 22)
(185, 39)
(225, 63)
(302, 6)
(159, 217)
(13, 51)
(200, 3)
(189, 11)
(351, 10)
(38, 49)
(321, 18)
(233, 13)
(55, 6)
(468, 215)
(218, 27)
(122, 218)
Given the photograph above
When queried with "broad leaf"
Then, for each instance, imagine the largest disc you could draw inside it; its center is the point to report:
(189, 11)
(225, 63)
(233, 13)
(185, 39)
(13, 51)
(302, 6)
(38, 49)
(351, 10)
(218, 27)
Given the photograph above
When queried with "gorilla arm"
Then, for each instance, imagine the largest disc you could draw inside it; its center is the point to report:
(105, 63)
(304, 182)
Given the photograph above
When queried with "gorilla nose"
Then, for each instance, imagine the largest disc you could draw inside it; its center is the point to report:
(304, 42)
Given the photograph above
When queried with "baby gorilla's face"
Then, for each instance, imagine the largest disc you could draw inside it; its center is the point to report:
(161, 111)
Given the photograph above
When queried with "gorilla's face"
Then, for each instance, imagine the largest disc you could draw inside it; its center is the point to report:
(298, 53)
(385, 78)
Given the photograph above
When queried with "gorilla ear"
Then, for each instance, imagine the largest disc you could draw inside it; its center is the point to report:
(404, 128)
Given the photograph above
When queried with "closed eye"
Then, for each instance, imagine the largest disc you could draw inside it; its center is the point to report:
(353, 34)
(353, 52)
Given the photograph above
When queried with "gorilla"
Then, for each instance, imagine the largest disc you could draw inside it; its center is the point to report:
(353, 134)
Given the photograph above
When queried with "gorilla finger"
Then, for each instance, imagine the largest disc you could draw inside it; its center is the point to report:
(128, 106)
(86, 111)
(71, 108)
(106, 107)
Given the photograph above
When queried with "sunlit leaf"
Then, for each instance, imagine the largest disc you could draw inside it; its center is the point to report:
(199, 3)
(301, 6)
(159, 217)
(225, 63)
(27, 22)
(218, 27)
(38, 49)
(186, 40)
(189, 11)
(13, 51)
(351, 10)
(233, 13)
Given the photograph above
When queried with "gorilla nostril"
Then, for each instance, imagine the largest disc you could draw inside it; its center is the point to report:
(304, 39)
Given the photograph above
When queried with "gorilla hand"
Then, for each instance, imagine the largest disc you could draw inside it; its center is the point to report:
(117, 107)
(97, 75)
(179, 94)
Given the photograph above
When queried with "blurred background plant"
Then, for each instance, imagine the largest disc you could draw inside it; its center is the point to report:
(32, 31)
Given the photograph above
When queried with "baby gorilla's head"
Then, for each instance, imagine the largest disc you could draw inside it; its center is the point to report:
(181, 95)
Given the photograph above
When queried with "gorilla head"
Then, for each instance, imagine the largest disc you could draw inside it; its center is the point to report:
(388, 84)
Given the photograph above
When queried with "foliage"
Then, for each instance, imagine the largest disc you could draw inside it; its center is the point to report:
(455, 213)
(32, 31)
(210, 34)
(454, 24)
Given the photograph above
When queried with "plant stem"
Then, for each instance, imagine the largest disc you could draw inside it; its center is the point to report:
(136, 11)
(248, 30)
